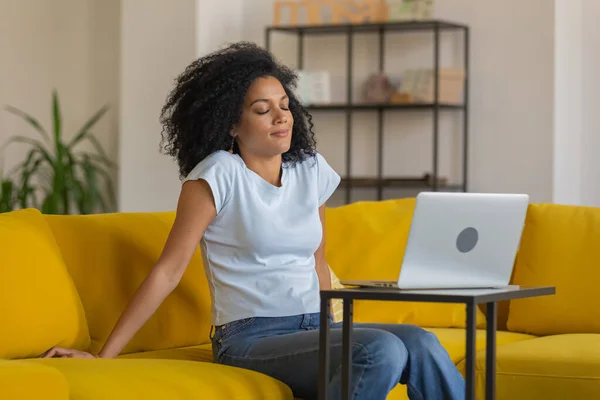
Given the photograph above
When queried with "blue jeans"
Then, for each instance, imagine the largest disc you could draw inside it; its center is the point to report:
(287, 348)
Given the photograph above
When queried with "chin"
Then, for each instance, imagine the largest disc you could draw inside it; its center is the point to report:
(286, 149)
(281, 148)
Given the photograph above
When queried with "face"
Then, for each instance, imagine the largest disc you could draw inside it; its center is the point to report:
(265, 129)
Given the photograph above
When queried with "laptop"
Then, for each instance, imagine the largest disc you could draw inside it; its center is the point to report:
(460, 241)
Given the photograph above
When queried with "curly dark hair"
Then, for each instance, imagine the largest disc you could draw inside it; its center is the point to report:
(207, 102)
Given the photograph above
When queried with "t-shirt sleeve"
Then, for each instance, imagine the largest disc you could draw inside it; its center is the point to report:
(328, 179)
(217, 171)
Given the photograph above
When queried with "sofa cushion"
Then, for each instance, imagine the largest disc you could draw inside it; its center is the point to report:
(39, 305)
(366, 240)
(148, 379)
(547, 368)
(109, 255)
(22, 380)
(202, 353)
(455, 340)
(560, 247)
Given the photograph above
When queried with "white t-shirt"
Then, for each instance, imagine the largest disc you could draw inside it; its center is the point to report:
(258, 252)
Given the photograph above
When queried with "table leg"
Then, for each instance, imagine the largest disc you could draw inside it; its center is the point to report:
(347, 349)
(324, 348)
(490, 352)
(470, 356)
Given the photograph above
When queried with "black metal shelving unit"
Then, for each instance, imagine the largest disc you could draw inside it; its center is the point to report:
(430, 182)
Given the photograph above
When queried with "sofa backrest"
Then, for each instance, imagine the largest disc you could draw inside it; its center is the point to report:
(39, 305)
(366, 240)
(560, 247)
(108, 257)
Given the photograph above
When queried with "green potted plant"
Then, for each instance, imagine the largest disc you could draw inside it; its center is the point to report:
(56, 176)
(7, 195)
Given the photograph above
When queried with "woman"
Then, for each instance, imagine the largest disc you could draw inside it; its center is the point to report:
(254, 196)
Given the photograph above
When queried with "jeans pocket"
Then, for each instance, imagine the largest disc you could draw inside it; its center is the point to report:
(230, 329)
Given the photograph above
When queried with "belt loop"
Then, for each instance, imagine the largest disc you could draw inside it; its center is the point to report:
(210, 335)
(305, 321)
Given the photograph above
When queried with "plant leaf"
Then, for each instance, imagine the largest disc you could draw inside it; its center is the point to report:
(35, 143)
(26, 193)
(102, 160)
(56, 116)
(96, 143)
(92, 185)
(32, 121)
(81, 134)
(99, 171)
(6, 195)
(50, 204)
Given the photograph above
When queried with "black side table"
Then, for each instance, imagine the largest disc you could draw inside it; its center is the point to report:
(470, 297)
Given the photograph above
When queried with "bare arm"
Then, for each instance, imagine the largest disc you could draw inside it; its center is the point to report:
(320, 262)
(195, 211)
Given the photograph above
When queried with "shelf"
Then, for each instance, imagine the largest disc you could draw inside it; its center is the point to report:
(404, 26)
(397, 183)
(407, 106)
(350, 104)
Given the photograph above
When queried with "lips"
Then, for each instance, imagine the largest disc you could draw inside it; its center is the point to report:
(281, 133)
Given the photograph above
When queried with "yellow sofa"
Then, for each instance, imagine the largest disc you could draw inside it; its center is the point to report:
(64, 280)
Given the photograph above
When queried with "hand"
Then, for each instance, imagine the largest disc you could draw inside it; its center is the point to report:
(59, 352)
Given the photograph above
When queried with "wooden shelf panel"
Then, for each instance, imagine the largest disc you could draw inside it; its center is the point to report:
(386, 106)
(398, 183)
(400, 26)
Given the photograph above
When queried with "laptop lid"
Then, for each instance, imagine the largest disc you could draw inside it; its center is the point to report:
(463, 240)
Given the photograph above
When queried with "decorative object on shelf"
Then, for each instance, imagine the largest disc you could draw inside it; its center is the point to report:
(319, 12)
(67, 180)
(314, 87)
(377, 89)
(401, 98)
(418, 85)
(410, 10)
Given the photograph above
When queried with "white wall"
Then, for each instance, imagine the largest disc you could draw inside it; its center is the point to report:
(70, 45)
(577, 133)
(568, 108)
(158, 42)
(590, 167)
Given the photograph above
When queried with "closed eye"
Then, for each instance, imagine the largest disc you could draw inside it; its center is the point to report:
(265, 112)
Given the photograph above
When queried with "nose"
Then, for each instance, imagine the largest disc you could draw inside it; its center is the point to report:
(281, 117)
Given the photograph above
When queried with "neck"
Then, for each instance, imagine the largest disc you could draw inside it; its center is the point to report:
(267, 168)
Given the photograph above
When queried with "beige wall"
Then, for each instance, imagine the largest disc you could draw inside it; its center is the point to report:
(158, 42)
(70, 45)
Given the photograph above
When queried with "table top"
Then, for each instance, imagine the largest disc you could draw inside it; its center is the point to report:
(440, 295)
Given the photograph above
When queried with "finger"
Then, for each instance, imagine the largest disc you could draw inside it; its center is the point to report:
(49, 354)
(64, 353)
(59, 352)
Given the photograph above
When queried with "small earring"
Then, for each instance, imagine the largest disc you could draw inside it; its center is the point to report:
(232, 143)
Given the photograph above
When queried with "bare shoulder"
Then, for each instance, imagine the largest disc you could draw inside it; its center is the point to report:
(196, 200)
(195, 212)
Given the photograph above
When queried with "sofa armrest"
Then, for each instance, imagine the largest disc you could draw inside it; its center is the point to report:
(22, 380)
